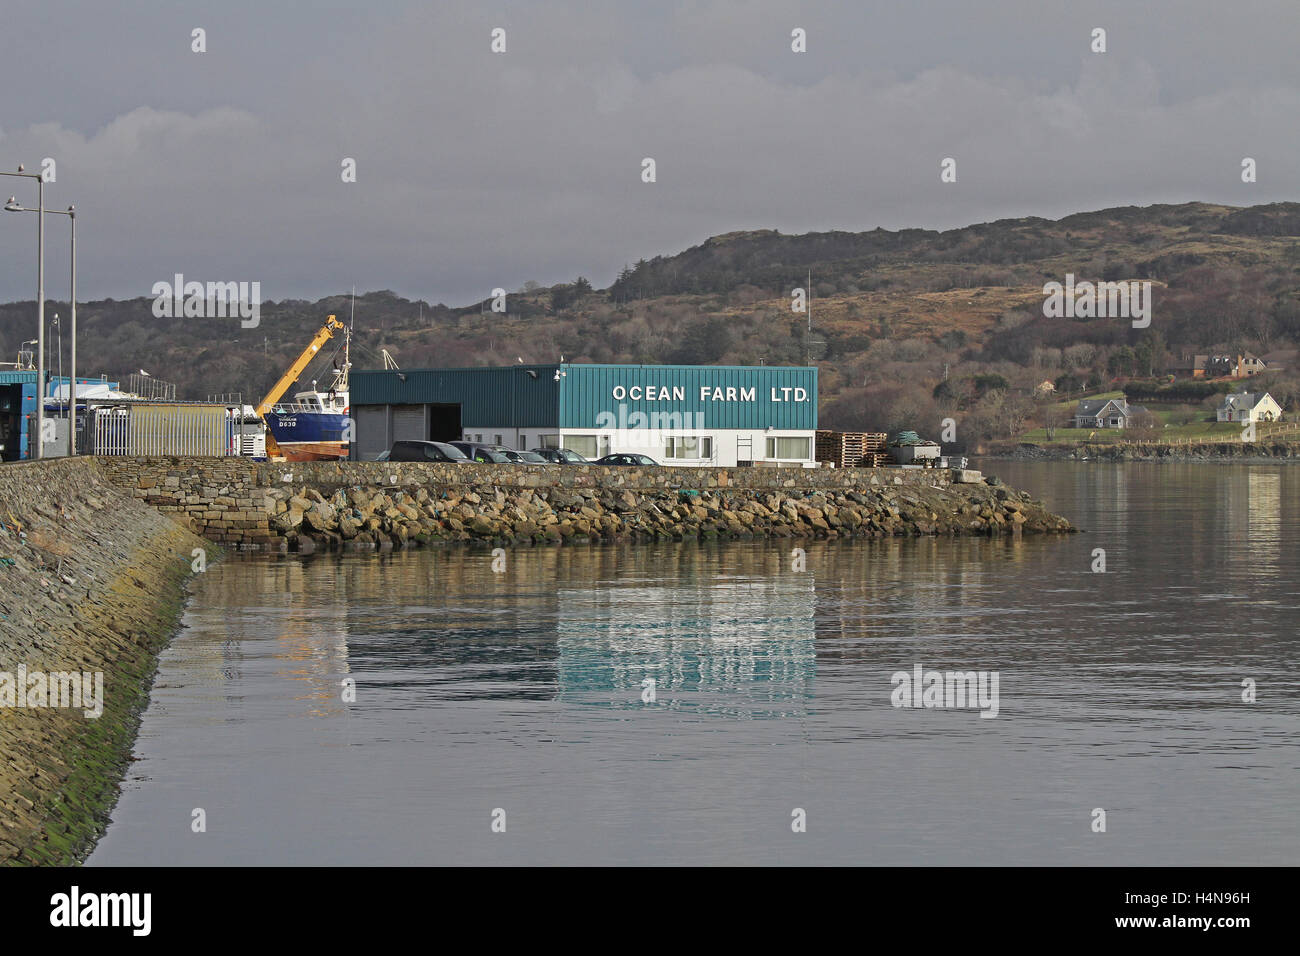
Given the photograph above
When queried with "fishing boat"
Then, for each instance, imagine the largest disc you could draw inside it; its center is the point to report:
(313, 427)
(314, 424)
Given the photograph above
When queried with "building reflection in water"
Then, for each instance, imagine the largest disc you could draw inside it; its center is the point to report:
(741, 646)
(313, 638)
(302, 606)
(1264, 522)
(724, 630)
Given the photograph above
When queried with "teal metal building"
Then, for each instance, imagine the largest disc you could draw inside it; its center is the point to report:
(18, 393)
(676, 414)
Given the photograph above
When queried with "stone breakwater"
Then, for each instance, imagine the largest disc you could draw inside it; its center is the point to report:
(91, 581)
(336, 505)
(366, 518)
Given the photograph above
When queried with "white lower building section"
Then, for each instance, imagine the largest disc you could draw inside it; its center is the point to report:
(715, 448)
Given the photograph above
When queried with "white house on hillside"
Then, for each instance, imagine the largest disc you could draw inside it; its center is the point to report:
(1106, 413)
(1249, 407)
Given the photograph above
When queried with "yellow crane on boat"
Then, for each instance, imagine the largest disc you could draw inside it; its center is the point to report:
(277, 391)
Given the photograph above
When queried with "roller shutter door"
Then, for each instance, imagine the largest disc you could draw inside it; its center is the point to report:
(370, 423)
(408, 423)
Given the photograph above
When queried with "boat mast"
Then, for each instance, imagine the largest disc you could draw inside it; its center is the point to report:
(347, 343)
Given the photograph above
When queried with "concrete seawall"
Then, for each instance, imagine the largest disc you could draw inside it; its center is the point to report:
(91, 582)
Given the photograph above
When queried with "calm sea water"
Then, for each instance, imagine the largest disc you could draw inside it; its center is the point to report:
(521, 691)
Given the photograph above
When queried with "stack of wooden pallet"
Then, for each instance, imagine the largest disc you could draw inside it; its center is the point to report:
(874, 452)
(841, 449)
(850, 449)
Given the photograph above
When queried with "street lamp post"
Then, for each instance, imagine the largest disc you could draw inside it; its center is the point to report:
(71, 212)
(40, 300)
(59, 354)
(72, 358)
(57, 363)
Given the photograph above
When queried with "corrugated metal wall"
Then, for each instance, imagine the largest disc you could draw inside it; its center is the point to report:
(147, 429)
(588, 390)
(486, 395)
(512, 397)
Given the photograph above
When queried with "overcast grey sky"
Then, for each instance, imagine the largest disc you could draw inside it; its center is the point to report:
(477, 169)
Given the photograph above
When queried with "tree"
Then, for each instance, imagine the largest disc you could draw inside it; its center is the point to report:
(954, 390)
(561, 297)
(704, 342)
(1054, 417)
(1017, 409)
(989, 383)
(1122, 362)
(1081, 355)
(1144, 423)
(1285, 391)
(1068, 383)
(1150, 353)
(985, 419)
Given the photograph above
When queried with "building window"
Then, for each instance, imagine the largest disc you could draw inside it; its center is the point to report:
(478, 437)
(549, 441)
(523, 442)
(786, 448)
(496, 440)
(689, 447)
(584, 445)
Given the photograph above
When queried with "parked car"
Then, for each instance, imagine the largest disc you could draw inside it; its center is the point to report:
(424, 451)
(625, 459)
(382, 456)
(491, 454)
(532, 458)
(561, 456)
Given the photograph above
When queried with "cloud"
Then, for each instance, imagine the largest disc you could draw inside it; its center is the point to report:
(477, 170)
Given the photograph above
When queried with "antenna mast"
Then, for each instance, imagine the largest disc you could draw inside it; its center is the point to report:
(345, 380)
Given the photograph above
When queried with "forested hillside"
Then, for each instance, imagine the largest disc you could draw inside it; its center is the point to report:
(908, 327)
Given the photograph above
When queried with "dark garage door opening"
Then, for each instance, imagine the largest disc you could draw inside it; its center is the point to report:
(444, 423)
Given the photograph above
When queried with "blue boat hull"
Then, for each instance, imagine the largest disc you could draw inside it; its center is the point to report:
(308, 436)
